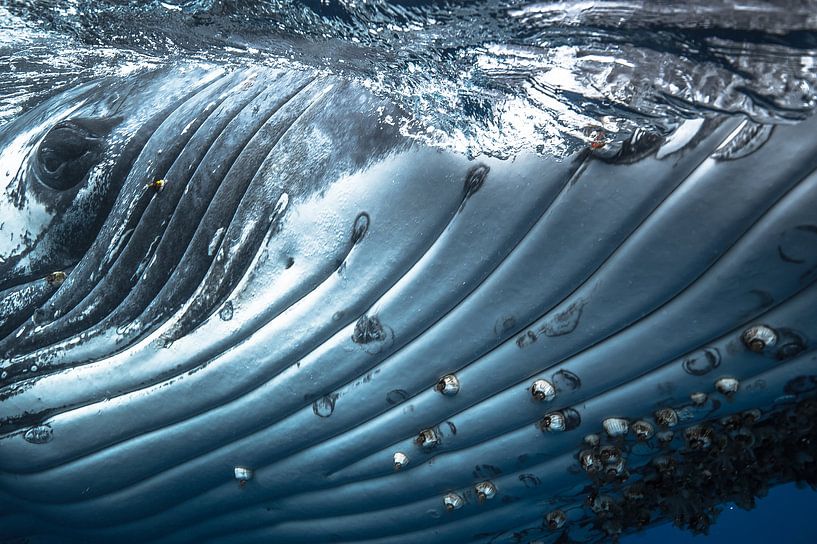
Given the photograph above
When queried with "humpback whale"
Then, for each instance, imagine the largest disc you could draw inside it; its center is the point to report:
(242, 306)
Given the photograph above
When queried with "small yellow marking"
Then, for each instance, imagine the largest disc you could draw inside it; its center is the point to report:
(157, 185)
(55, 278)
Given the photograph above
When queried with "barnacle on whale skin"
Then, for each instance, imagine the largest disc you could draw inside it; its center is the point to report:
(733, 459)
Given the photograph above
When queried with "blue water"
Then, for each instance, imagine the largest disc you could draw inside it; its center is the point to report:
(788, 515)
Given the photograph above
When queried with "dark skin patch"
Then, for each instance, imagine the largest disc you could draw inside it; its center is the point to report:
(565, 381)
(529, 480)
(572, 419)
(486, 471)
(526, 339)
(504, 324)
(360, 227)
(703, 362)
(565, 321)
(790, 345)
(796, 245)
(786, 258)
(765, 300)
(396, 396)
(474, 180)
(666, 388)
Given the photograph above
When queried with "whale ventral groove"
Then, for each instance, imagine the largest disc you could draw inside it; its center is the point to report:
(239, 306)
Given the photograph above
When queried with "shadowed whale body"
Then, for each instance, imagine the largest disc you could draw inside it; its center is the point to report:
(315, 329)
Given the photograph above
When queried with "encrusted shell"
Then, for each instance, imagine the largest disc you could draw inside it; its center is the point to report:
(243, 474)
(643, 430)
(698, 437)
(666, 417)
(727, 386)
(616, 468)
(602, 503)
(555, 519)
(400, 460)
(616, 426)
(759, 337)
(485, 491)
(610, 454)
(555, 421)
(590, 461)
(428, 439)
(55, 279)
(449, 385)
(453, 501)
(543, 390)
(592, 440)
(698, 399)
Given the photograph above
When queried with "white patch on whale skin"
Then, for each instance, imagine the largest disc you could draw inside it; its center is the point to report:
(214, 243)
(22, 223)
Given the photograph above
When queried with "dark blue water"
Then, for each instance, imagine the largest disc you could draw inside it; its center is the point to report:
(788, 515)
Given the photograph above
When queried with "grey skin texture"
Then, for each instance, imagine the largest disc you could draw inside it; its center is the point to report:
(240, 355)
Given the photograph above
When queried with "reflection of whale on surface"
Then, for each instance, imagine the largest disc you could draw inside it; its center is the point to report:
(615, 335)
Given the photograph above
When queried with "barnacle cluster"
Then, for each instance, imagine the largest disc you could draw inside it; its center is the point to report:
(733, 459)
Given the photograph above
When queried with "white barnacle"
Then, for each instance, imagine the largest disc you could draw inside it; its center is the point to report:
(555, 519)
(610, 454)
(590, 461)
(727, 386)
(616, 426)
(453, 501)
(400, 460)
(554, 421)
(543, 390)
(427, 439)
(243, 474)
(448, 385)
(643, 430)
(666, 417)
(602, 503)
(485, 490)
(759, 337)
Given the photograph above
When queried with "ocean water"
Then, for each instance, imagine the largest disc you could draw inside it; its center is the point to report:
(484, 77)
(784, 516)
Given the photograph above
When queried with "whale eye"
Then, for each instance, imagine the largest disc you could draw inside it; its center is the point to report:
(68, 152)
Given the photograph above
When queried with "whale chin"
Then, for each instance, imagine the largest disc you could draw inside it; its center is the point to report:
(256, 311)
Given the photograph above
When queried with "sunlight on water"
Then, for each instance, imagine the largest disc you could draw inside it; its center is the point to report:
(492, 77)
